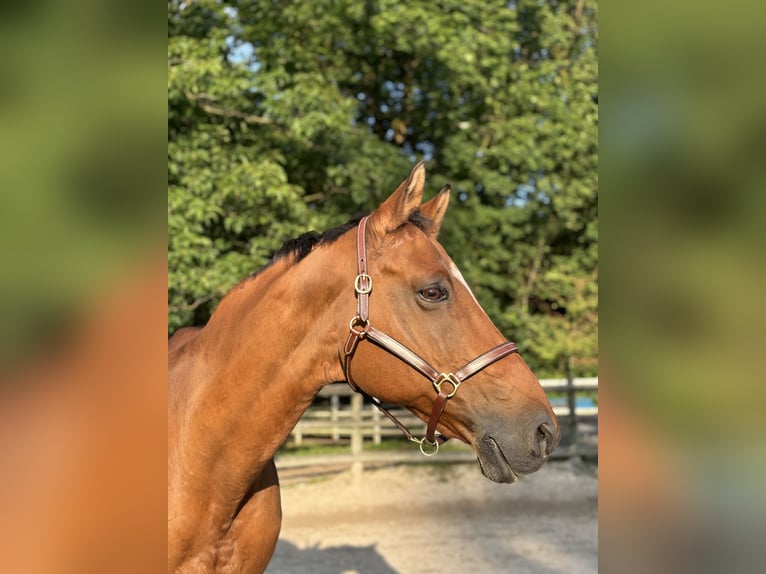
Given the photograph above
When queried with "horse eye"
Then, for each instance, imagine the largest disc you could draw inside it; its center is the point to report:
(433, 294)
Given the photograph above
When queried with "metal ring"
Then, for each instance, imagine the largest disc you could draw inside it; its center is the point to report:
(358, 284)
(447, 378)
(358, 322)
(434, 445)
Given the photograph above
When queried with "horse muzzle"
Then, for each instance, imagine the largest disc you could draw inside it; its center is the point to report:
(504, 455)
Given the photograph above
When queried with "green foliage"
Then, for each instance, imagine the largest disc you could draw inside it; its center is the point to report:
(291, 116)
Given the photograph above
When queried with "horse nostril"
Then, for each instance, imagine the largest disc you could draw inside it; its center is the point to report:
(546, 439)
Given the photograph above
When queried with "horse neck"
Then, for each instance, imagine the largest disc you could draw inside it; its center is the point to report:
(271, 345)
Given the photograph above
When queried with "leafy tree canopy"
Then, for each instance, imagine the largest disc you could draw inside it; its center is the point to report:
(289, 116)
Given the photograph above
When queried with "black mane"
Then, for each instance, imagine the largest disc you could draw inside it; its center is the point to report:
(299, 247)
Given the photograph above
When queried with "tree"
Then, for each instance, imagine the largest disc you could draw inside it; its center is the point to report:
(295, 115)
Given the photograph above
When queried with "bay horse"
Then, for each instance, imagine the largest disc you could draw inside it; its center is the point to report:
(362, 303)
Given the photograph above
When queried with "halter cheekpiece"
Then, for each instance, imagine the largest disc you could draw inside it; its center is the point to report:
(446, 384)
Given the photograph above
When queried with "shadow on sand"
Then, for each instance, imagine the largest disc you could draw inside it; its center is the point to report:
(346, 559)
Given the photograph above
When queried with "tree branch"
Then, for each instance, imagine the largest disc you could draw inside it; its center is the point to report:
(578, 11)
(205, 103)
(532, 277)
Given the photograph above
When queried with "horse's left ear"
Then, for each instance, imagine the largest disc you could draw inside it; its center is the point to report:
(434, 209)
(396, 210)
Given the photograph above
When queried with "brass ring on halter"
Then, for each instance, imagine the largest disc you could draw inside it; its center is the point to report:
(358, 322)
(434, 445)
(447, 378)
(358, 284)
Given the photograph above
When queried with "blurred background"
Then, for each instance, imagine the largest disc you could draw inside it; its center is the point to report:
(683, 135)
(280, 117)
(83, 285)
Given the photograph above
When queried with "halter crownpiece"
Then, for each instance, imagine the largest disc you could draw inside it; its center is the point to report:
(445, 384)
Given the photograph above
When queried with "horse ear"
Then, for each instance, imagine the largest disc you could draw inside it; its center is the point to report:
(434, 209)
(396, 210)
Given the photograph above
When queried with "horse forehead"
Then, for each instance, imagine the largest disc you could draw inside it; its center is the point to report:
(422, 250)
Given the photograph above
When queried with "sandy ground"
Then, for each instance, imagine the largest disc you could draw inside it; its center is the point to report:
(440, 518)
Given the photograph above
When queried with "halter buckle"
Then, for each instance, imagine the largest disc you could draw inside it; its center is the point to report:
(447, 378)
(363, 284)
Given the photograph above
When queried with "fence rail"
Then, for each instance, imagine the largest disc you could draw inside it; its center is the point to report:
(339, 416)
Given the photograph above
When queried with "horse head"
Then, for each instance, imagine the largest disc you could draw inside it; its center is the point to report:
(416, 299)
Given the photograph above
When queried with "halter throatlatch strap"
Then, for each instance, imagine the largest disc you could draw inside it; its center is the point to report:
(445, 384)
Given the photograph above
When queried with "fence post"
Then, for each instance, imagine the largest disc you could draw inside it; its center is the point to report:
(572, 404)
(376, 424)
(334, 407)
(357, 439)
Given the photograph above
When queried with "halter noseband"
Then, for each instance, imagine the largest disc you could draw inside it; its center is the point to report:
(446, 384)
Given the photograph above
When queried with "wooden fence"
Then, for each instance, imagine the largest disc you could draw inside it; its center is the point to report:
(339, 416)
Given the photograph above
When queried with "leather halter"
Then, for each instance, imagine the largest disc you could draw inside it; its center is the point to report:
(360, 330)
